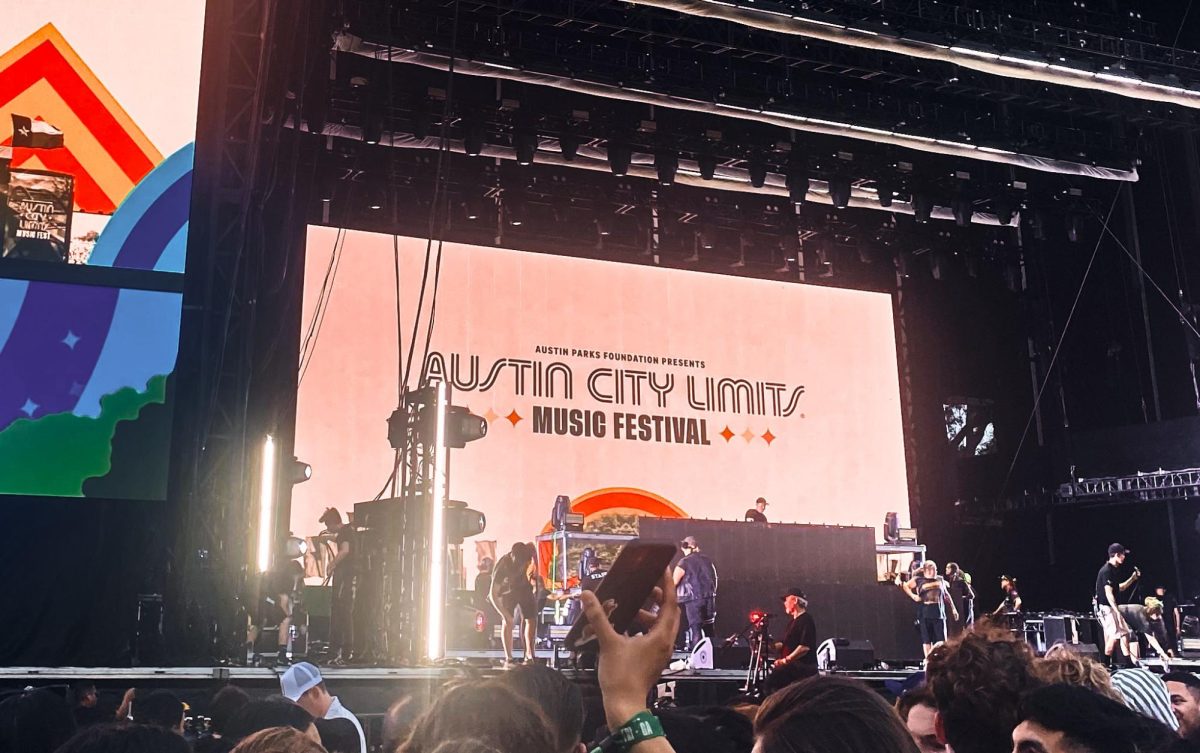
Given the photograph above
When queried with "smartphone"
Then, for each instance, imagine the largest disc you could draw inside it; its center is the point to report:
(629, 582)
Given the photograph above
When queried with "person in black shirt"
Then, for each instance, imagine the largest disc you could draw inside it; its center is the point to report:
(929, 591)
(755, 514)
(963, 596)
(798, 649)
(1011, 604)
(512, 589)
(342, 572)
(696, 587)
(1108, 585)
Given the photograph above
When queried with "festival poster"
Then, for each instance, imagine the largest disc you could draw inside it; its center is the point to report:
(633, 390)
(40, 206)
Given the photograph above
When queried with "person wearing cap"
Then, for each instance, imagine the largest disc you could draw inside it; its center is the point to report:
(756, 514)
(798, 649)
(1108, 585)
(303, 685)
(696, 588)
(1011, 604)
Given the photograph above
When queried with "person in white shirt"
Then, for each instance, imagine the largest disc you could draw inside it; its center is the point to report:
(303, 685)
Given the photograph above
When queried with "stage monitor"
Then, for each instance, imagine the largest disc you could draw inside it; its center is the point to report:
(633, 390)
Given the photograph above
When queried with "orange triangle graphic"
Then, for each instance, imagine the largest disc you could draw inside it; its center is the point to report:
(43, 77)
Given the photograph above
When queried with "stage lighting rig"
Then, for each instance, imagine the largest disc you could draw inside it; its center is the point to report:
(300, 471)
(839, 191)
(707, 163)
(525, 144)
(619, 156)
(568, 144)
(666, 163)
(473, 138)
(757, 169)
(462, 522)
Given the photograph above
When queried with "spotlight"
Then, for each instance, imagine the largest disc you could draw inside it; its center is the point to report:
(922, 206)
(376, 196)
(756, 616)
(372, 128)
(839, 191)
(667, 164)
(1073, 226)
(1004, 211)
(569, 144)
(758, 170)
(618, 158)
(797, 185)
(266, 503)
(708, 165)
(471, 207)
(294, 547)
(473, 139)
(963, 209)
(886, 193)
(300, 471)
(462, 522)
(514, 208)
(525, 143)
(462, 426)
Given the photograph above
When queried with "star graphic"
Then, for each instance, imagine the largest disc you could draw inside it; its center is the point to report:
(29, 407)
(748, 436)
(514, 417)
(727, 434)
(71, 339)
(490, 416)
(23, 131)
(768, 437)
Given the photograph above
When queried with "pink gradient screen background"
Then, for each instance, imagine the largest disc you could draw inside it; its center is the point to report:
(839, 459)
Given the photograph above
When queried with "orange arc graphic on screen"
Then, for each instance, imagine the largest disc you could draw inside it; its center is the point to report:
(43, 77)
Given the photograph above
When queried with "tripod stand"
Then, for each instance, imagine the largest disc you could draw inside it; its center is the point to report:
(759, 638)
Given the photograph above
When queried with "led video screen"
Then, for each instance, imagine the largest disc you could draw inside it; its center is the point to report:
(633, 390)
(95, 192)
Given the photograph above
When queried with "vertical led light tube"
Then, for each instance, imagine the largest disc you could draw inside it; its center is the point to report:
(266, 504)
(435, 638)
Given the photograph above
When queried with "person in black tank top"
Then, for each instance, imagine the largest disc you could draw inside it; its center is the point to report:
(696, 587)
(929, 591)
(512, 589)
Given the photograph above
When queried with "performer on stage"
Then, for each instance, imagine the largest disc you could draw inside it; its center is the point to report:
(512, 589)
(696, 587)
(963, 595)
(756, 514)
(1146, 621)
(589, 582)
(798, 649)
(1108, 585)
(1172, 619)
(1011, 603)
(929, 591)
(342, 571)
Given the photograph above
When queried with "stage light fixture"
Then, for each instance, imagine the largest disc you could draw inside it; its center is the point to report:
(514, 208)
(839, 191)
(471, 207)
(666, 163)
(266, 502)
(462, 522)
(963, 209)
(1004, 211)
(376, 196)
(435, 638)
(525, 144)
(568, 143)
(1074, 223)
(603, 228)
(707, 164)
(463, 426)
(473, 138)
(372, 128)
(294, 547)
(619, 156)
(886, 193)
(757, 169)
(922, 206)
(300, 471)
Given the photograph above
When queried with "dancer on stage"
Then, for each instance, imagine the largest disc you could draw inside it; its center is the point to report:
(696, 587)
(929, 591)
(512, 589)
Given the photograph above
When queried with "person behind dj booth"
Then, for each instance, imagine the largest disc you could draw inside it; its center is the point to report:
(342, 571)
(798, 649)
(590, 581)
(696, 588)
(757, 514)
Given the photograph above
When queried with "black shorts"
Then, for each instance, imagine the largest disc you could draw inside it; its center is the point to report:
(932, 624)
(509, 602)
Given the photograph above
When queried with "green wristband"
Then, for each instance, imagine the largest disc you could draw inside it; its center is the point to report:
(641, 726)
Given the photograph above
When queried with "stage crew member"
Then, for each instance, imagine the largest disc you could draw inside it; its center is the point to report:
(342, 571)
(1108, 585)
(798, 649)
(929, 591)
(512, 589)
(756, 514)
(963, 594)
(696, 587)
(1012, 600)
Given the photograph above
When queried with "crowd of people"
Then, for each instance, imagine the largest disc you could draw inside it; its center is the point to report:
(983, 692)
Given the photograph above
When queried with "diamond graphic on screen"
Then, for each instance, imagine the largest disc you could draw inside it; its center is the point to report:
(748, 436)
(768, 437)
(727, 434)
(70, 339)
(29, 407)
(514, 417)
(490, 416)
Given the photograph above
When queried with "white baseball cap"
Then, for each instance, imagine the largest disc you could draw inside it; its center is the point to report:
(299, 679)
